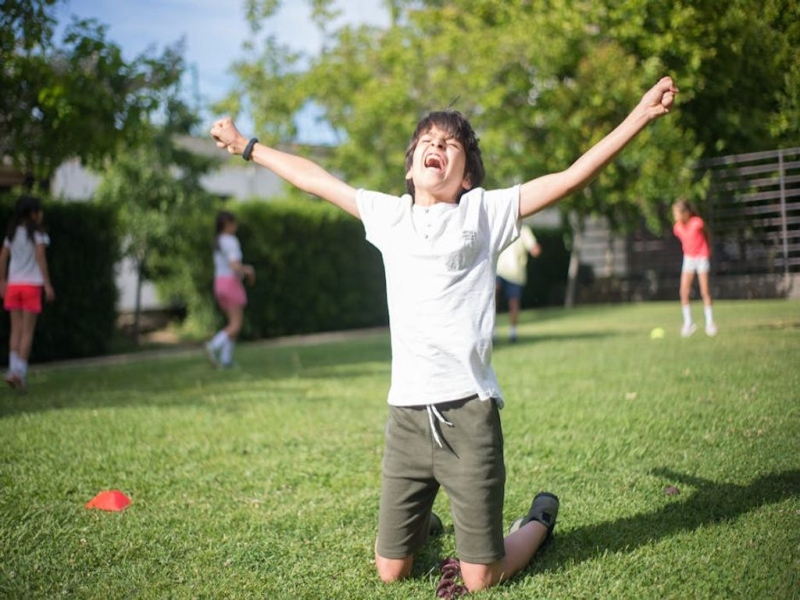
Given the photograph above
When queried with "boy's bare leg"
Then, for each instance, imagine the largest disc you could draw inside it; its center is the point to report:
(513, 311)
(520, 546)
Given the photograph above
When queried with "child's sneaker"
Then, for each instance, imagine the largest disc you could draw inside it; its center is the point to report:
(11, 379)
(688, 330)
(212, 354)
(435, 526)
(544, 509)
(711, 329)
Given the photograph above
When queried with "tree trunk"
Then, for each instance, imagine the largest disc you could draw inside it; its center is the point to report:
(137, 311)
(578, 225)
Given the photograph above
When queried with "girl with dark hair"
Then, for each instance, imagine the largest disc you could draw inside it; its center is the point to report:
(228, 289)
(22, 279)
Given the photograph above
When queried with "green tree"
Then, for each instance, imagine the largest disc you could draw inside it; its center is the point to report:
(738, 63)
(541, 80)
(79, 98)
(155, 188)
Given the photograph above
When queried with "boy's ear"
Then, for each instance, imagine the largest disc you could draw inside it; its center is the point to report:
(466, 183)
(408, 173)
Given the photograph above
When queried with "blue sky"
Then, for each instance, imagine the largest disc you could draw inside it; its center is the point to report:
(214, 31)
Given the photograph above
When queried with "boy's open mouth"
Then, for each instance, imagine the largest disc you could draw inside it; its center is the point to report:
(433, 161)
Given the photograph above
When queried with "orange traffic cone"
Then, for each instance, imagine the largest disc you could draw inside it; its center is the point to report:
(110, 500)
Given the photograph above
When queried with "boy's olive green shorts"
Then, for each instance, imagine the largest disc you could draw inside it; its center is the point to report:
(469, 465)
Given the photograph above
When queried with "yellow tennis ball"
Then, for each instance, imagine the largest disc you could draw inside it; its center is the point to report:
(657, 333)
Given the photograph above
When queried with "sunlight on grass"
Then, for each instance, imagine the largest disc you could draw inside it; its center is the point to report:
(263, 481)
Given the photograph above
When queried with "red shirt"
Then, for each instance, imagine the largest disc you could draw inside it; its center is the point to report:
(692, 237)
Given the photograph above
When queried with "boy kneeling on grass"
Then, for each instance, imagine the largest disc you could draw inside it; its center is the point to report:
(440, 243)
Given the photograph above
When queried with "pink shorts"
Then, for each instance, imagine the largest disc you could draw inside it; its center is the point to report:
(23, 297)
(229, 292)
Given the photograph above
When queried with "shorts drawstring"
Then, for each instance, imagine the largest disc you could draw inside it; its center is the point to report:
(434, 412)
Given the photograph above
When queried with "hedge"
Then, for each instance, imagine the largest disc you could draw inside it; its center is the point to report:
(315, 271)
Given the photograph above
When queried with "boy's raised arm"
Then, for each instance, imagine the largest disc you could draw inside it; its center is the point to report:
(541, 192)
(296, 170)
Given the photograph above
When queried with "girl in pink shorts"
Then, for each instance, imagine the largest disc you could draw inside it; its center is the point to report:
(690, 230)
(22, 279)
(228, 289)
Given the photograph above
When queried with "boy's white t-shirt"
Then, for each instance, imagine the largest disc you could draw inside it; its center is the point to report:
(228, 250)
(440, 266)
(23, 268)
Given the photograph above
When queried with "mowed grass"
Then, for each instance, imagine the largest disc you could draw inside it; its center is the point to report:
(263, 481)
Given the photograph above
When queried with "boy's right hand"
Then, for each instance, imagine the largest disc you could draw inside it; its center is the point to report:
(228, 136)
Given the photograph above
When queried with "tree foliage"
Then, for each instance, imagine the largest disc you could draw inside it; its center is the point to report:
(155, 189)
(77, 98)
(541, 80)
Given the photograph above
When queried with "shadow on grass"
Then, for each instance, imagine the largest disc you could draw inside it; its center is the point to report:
(709, 503)
(502, 343)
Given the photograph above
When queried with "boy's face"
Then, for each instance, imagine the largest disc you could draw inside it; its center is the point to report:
(680, 215)
(438, 166)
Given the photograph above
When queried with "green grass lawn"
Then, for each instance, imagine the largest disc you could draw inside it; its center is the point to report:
(263, 481)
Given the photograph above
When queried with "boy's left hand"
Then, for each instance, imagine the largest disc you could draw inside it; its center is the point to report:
(659, 99)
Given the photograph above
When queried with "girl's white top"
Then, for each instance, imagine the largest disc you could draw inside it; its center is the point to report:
(22, 267)
(440, 265)
(226, 252)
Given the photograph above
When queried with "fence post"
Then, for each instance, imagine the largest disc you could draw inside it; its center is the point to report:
(784, 226)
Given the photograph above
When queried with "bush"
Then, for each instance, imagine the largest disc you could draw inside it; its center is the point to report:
(81, 257)
(547, 273)
(314, 269)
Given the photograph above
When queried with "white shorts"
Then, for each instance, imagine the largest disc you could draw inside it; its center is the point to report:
(696, 264)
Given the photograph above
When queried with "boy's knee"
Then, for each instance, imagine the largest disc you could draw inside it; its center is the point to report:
(479, 577)
(392, 569)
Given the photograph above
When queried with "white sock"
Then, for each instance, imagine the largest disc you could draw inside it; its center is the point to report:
(13, 361)
(226, 356)
(512, 330)
(219, 340)
(18, 365)
(686, 309)
(709, 314)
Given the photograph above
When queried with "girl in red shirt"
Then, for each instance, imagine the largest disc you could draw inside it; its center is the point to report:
(690, 230)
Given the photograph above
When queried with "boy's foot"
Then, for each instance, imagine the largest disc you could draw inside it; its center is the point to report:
(212, 354)
(688, 330)
(512, 337)
(544, 509)
(711, 329)
(435, 526)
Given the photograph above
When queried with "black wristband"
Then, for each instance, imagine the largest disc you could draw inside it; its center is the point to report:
(248, 150)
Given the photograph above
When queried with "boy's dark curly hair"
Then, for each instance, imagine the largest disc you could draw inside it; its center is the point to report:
(456, 124)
